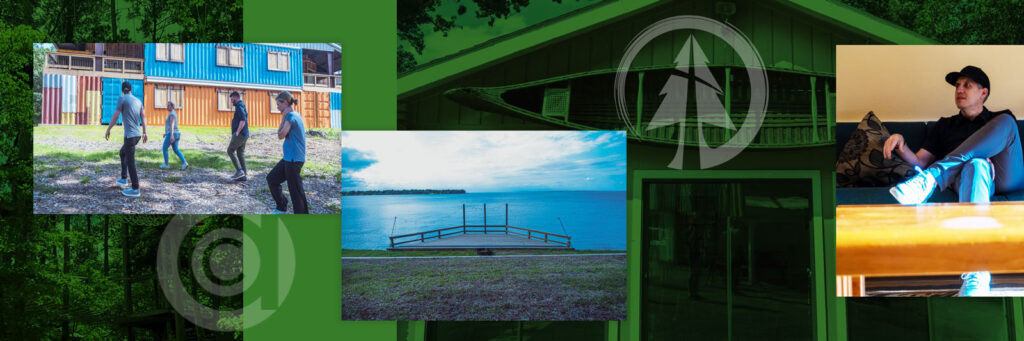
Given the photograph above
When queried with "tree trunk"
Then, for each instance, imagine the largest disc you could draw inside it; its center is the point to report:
(65, 325)
(106, 244)
(113, 21)
(127, 277)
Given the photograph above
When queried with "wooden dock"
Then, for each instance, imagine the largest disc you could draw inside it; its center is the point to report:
(480, 237)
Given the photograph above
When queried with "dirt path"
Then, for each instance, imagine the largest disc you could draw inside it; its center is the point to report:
(75, 172)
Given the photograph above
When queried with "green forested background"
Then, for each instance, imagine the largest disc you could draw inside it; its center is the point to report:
(56, 281)
(24, 22)
(994, 22)
(67, 277)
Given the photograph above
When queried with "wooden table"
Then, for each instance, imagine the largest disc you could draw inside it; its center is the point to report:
(932, 239)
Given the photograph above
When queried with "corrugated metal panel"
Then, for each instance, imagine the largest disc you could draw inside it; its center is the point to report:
(308, 46)
(69, 95)
(51, 106)
(335, 101)
(336, 119)
(51, 80)
(200, 109)
(201, 63)
(90, 100)
(94, 101)
(112, 91)
(316, 109)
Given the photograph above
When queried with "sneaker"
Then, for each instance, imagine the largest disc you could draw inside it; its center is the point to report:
(134, 193)
(242, 178)
(123, 182)
(975, 284)
(276, 211)
(184, 166)
(915, 190)
(165, 166)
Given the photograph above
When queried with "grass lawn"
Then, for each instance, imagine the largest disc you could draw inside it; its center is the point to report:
(485, 288)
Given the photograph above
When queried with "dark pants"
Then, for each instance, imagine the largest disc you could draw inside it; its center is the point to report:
(128, 160)
(964, 168)
(291, 172)
(236, 151)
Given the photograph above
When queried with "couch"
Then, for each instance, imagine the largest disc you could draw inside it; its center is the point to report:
(914, 134)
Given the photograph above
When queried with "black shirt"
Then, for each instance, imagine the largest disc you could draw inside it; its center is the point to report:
(950, 132)
(240, 115)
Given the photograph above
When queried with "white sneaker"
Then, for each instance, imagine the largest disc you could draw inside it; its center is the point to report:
(915, 190)
(975, 284)
(184, 166)
(165, 166)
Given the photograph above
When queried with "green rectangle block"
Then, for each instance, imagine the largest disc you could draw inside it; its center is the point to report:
(294, 264)
(367, 32)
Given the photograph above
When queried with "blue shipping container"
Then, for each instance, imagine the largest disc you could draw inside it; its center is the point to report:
(112, 91)
(335, 101)
(200, 63)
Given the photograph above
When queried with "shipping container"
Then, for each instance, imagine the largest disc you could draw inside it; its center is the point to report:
(51, 105)
(90, 100)
(336, 110)
(199, 66)
(70, 99)
(112, 92)
(199, 107)
(316, 109)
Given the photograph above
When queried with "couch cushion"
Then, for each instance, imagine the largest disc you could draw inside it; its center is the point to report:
(861, 162)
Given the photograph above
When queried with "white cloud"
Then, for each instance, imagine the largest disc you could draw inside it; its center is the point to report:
(479, 160)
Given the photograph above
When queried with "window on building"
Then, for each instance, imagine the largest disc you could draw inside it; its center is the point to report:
(278, 61)
(163, 93)
(273, 103)
(170, 52)
(229, 56)
(224, 99)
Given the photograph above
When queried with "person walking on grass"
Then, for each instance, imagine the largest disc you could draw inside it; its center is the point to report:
(132, 109)
(289, 169)
(172, 136)
(239, 134)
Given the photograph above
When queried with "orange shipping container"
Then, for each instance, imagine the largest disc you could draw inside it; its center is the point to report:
(199, 107)
(316, 109)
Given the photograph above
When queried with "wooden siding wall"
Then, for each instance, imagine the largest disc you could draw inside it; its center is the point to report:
(786, 40)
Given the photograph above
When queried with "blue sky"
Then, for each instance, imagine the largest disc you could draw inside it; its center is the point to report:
(484, 161)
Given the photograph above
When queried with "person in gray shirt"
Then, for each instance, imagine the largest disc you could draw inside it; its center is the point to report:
(133, 118)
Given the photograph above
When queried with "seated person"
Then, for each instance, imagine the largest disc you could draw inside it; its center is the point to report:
(978, 154)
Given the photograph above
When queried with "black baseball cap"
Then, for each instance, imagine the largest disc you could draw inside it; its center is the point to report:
(972, 72)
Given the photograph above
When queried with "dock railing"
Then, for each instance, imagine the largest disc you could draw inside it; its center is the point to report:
(463, 229)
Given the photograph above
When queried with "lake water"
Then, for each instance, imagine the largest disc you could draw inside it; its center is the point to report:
(596, 220)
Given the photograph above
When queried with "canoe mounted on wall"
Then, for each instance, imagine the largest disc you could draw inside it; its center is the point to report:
(800, 110)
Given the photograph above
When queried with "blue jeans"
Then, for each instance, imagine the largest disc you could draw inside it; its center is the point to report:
(967, 168)
(167, 143)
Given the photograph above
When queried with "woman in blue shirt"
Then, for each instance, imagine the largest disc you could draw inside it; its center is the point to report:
(289, 169)
(172, 136)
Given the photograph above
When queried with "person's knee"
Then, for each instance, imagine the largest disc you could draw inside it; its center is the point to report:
(979, 164)
(1003, 119)
(976, 166)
